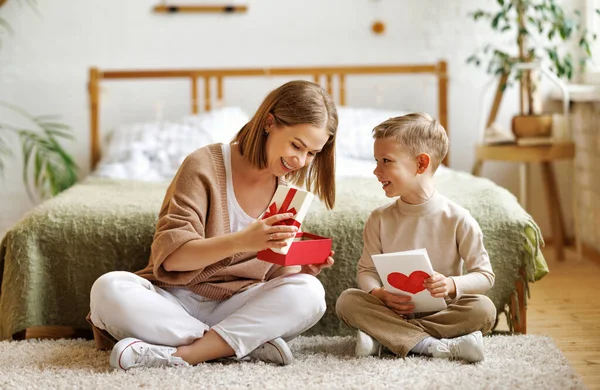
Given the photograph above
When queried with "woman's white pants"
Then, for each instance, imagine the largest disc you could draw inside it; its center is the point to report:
(126, 305)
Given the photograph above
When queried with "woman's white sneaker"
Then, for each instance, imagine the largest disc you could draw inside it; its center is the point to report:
(130, 352)
(275, 351)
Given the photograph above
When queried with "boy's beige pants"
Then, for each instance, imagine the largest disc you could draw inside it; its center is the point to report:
(465, 315)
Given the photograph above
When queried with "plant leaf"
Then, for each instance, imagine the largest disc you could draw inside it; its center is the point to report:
(4, 152)
(47, 168)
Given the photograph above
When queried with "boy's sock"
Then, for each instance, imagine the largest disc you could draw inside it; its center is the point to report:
(366, 345)
(468, 347)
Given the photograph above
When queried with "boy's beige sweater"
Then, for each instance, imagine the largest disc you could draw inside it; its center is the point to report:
(450, 234)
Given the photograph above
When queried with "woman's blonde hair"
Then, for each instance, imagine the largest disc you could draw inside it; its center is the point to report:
(416, 133)
(295, 103)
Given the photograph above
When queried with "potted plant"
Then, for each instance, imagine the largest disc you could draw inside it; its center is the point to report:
(544, 32)
(47, 168)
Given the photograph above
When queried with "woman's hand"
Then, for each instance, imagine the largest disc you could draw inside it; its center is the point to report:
(264, 234)
(315, 269)
(399, 304)
(440, 286)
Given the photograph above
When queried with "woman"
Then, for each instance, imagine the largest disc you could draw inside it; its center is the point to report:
(204, 295)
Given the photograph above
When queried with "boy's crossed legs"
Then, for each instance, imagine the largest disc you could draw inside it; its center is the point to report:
(451, 333)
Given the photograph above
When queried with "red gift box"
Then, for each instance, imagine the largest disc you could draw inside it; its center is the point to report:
(306, 248)
(289, 200)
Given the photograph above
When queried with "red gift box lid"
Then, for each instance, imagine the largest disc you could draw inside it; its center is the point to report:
(306, 248)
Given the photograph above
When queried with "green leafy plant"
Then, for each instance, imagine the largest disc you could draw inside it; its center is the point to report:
(47, 168)
(543, 31)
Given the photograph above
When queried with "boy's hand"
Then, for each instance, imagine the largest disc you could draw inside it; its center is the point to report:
(399, 304)
(315, 269)
(440, 286)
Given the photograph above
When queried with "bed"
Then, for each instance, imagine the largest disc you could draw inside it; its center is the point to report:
(50, 259)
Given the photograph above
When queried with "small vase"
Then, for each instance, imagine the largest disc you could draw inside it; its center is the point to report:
(529, 126)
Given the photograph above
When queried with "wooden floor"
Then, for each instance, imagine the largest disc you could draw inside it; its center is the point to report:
(565, 305)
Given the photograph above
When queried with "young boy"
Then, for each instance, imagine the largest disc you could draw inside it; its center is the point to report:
(408, 150)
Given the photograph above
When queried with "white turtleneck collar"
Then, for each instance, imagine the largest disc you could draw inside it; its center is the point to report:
(432, 204)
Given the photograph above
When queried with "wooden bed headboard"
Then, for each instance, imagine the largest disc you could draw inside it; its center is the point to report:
(96, 75)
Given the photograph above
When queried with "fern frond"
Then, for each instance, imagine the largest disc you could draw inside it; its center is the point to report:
(46, 165)
(47, 168)
(5, 152)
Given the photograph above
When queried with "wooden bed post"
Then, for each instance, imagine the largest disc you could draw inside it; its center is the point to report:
(520, 322)
(207, 93)
(329, 79)
(342, 87)
(220, 102)
(94, 103)
(194, 80)
(443, 100)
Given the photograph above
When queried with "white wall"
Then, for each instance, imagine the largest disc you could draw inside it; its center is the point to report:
(43, 67)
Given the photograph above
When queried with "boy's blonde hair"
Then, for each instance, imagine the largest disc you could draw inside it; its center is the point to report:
(417, 133)
(295, 103)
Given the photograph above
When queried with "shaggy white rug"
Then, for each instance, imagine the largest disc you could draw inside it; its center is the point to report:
(525, 362)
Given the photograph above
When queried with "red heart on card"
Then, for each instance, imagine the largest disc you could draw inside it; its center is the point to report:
(412, 284)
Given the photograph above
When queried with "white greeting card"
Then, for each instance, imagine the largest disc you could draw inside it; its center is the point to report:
(289, 200)
(403, 273)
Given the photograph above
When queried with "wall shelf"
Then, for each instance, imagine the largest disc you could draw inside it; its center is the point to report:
(174, 8)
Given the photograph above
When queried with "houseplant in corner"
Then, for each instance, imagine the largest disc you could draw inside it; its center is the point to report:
(543, 32)
(47, 168)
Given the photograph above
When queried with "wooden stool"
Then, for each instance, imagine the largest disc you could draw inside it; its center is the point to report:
(536, 154)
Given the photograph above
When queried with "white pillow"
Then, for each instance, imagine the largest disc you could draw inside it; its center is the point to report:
(355, 127)
(222, 124)
(150, 151)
